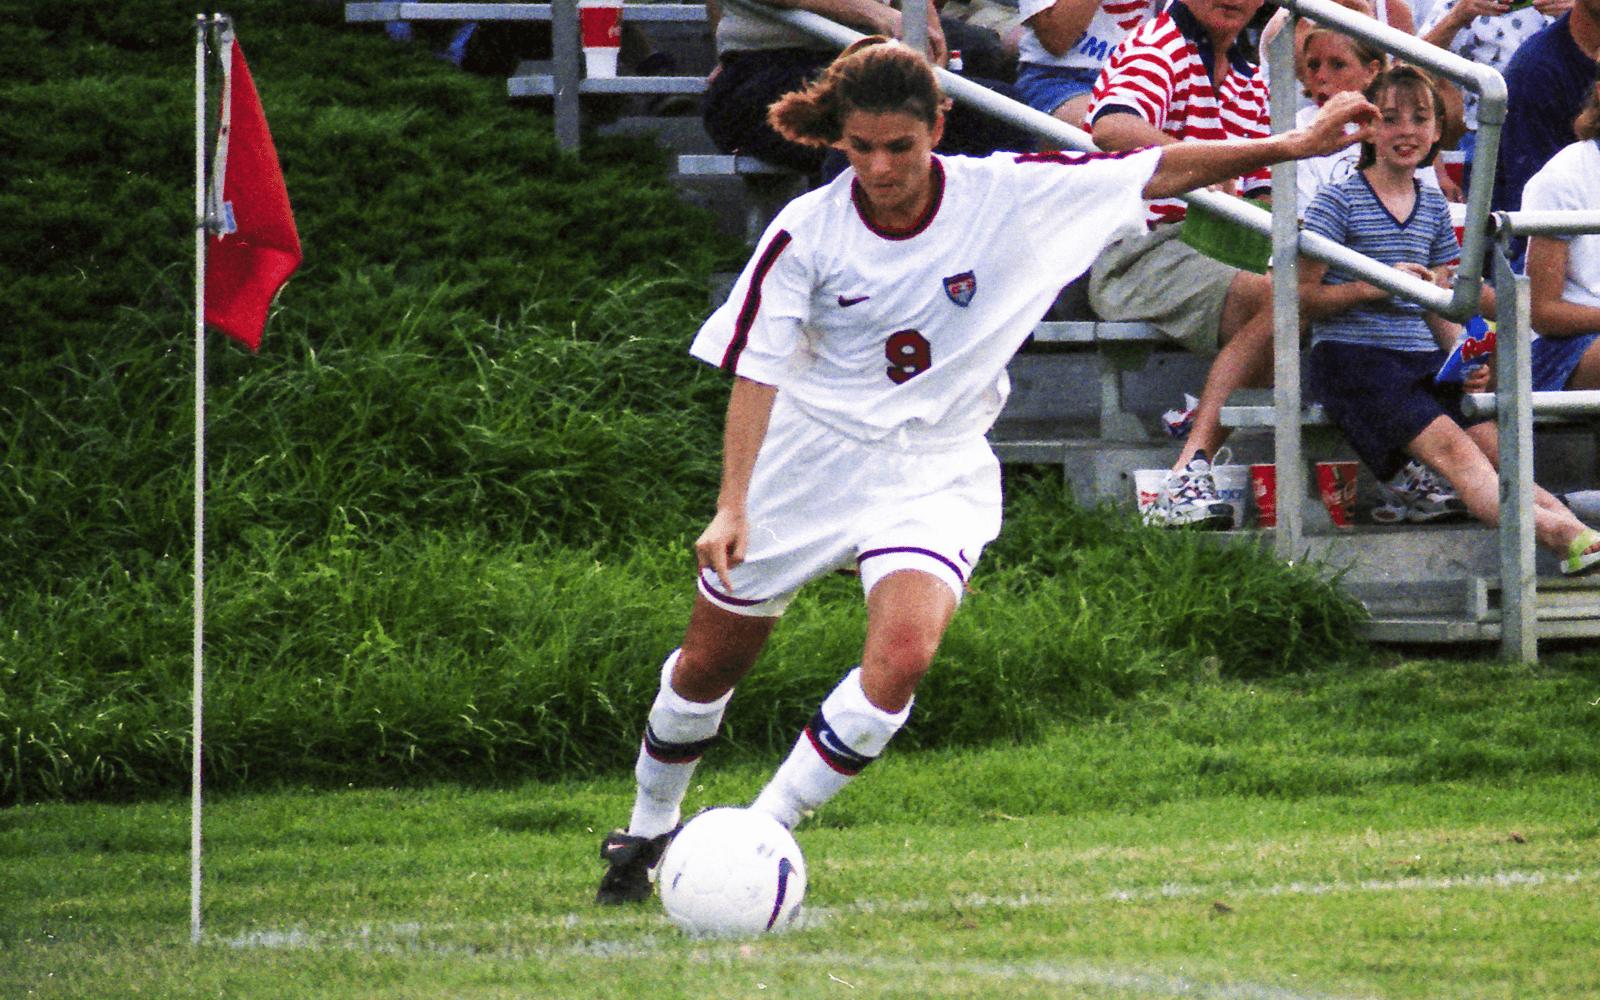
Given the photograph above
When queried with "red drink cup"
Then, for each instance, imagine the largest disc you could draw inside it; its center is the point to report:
(1336, 482)
(600, 24)
(1264, 484)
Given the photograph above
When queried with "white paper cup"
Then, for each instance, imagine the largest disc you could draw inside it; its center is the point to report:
(1233, 486)
(600, 64)
(1147, 485)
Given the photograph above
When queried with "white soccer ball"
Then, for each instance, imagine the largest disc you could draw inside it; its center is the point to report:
(732, 872)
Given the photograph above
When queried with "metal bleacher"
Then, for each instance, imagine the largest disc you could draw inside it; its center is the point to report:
(1420, 584)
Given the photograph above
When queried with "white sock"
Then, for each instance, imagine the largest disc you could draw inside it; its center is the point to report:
(846, 734)
(677, 732)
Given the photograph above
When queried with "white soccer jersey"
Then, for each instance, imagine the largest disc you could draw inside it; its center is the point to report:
(882, 335)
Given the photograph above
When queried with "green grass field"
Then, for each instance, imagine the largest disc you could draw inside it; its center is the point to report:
(1296, 838)
(450, 505)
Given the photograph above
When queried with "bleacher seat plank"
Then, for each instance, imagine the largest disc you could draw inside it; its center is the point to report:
(353, 12)
(544, 85)
(1267, 416)
(726, 165)
(1093, 332)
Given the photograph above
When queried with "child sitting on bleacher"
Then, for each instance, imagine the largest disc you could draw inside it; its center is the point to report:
(1374, 356)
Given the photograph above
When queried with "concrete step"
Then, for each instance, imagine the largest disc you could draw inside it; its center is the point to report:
(1440, 583)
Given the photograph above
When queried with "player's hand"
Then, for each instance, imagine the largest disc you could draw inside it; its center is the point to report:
(1345, 120)
(722, 545)
(1552, 8)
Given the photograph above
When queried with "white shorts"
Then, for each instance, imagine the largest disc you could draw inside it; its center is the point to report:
(821, 502)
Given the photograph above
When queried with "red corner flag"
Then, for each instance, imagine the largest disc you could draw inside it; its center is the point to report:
(254, 247)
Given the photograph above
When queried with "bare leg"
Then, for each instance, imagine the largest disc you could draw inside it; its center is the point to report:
(1463, 457)
(907, 612)
(719, 648)
(1245, 359)
(1073, 110)
(697, 680)
(1587, 374)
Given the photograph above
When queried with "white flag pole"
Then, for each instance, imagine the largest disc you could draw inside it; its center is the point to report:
(201, 231)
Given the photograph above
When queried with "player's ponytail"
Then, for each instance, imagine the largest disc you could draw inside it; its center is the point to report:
(877, 75)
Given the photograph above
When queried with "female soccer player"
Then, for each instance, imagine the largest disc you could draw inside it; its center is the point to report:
(868, 339)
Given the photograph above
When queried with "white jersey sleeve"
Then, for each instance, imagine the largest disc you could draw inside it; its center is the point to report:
(756, 333)
(1079, 202)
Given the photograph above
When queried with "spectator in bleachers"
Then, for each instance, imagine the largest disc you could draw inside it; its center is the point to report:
(759, 60)
(1063, 46)
(1547, 82)
(1374, 355)
(1488, 32)
(1332, 63)
(1395, 13)
(1182, 75)
(1564, 271)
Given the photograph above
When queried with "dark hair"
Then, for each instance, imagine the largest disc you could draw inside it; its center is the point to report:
(1413, 80)
(875, 74)
(1587, 124)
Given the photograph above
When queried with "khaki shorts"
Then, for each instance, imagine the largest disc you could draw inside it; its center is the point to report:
(1155, 278)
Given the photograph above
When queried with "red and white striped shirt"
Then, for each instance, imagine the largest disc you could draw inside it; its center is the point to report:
(1160, 72)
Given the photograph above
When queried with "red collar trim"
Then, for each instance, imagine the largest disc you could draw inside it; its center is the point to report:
(859, 197)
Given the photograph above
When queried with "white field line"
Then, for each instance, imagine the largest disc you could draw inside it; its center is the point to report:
(1139, 984)
(409, 936)
(407, 939)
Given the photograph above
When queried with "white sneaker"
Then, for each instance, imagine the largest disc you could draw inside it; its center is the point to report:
(1190, 499)
(1417, 494)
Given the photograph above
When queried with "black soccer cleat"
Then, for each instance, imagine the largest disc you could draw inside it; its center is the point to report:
(629, 860)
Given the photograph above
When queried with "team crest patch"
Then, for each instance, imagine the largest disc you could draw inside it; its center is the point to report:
(961, 287)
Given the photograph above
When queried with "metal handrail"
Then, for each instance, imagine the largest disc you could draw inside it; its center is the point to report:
(1565, 403)
(1563, 223)
(1492, 100)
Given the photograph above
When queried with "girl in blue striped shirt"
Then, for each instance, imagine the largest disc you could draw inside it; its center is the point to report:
(1373, 356)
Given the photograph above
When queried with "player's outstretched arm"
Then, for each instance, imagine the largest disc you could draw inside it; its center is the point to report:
(1193, 164)
(722, 545)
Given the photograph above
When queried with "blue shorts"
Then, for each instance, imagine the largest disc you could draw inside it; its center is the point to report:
(1381, 399)
(1046, 88)
(1555, 358)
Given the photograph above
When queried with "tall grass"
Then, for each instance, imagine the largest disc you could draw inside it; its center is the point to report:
(433, 652)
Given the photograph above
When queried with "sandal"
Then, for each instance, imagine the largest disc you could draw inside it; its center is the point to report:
(1579, 560)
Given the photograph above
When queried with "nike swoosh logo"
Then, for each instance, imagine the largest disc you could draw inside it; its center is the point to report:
(831, 742)
(847, 303)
